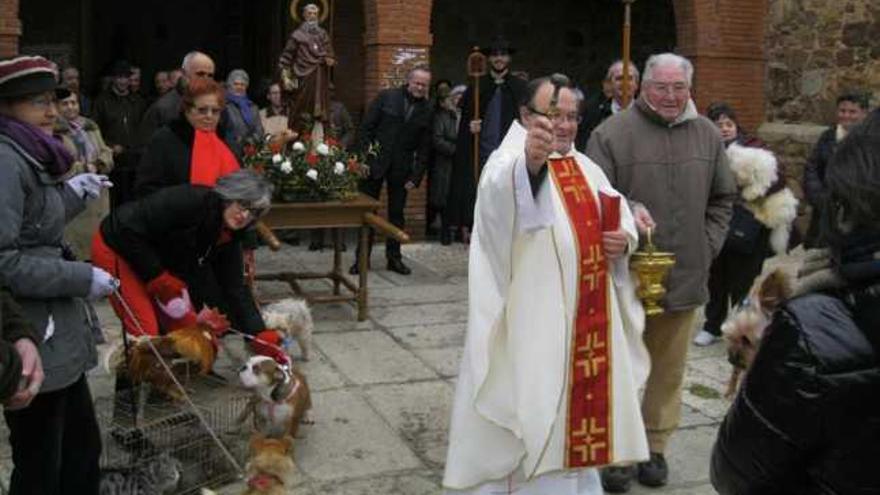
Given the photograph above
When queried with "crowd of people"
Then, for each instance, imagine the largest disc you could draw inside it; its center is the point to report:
(143, 199)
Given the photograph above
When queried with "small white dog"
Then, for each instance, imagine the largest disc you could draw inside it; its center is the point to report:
(293, 318)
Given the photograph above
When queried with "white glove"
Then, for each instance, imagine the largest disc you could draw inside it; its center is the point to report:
(103, 284)
(88, 186)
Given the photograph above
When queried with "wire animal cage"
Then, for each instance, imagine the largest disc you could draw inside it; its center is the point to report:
(143, 430)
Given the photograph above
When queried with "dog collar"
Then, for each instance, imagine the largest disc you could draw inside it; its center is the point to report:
(263, 481)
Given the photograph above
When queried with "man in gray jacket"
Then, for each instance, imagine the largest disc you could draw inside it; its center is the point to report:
(670, 163)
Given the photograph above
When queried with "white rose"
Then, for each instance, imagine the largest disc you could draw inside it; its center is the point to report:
(277, 158)
(298, 146)
(339, 168)
(286, 167)
(323, 149)
(312, 174)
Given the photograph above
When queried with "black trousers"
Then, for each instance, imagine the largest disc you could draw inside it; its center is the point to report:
(123, 178)
(396, 204)
(730, 278)
(56, 444)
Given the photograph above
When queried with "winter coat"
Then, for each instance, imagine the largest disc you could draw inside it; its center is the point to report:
(238, 131)
(679, 172)
(445, 140)
(167, 160)
(160, 113)
(13, 327)
(463, 188)
(119, 118)
(404, 143)
(807, 417)
(34, 208)
(80, 230)
(814, 181)
(178, 229)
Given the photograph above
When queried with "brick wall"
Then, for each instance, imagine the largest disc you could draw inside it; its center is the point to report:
(725, 41)
(10, 27)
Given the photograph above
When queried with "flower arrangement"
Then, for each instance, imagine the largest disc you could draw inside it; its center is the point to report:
(303, 170)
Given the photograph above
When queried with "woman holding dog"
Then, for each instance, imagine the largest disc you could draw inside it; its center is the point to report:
(760, 225)
(179, 249)
(53, 430)
(807, 417)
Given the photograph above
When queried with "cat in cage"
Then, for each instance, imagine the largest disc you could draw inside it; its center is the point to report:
(155, 476)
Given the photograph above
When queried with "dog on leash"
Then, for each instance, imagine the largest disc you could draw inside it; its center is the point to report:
(292, 318)
(281, 398)
(270, 468)
(744, 327)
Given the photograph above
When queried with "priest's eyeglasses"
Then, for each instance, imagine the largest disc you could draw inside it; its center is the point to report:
(569, 118)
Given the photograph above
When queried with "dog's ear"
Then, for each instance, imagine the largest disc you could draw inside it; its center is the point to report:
(776, 289)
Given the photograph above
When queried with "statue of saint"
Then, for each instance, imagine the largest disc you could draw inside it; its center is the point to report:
(304, 66)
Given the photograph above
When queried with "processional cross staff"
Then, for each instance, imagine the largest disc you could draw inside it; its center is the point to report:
(626, 88)
(476, 68)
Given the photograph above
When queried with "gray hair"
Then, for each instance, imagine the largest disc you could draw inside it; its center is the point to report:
(557, 79)
(238, 75)
(245, 187)
(669, 59)
(634, 71)
(311, 6)
(418, 68)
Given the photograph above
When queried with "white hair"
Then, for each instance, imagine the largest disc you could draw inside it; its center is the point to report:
(188, 58)
(237, 75)
(669, 59)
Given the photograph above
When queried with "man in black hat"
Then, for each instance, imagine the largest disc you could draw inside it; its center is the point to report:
(118, 114)
(501, 94)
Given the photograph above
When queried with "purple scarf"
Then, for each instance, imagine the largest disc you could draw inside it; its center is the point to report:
(244, 106)
(45, 149)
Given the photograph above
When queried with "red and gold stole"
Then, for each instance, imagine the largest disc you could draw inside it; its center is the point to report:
(589, 423)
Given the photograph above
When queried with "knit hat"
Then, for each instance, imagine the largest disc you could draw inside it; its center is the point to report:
(26, 75)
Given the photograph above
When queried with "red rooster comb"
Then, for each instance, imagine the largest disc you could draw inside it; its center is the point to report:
(213, 319)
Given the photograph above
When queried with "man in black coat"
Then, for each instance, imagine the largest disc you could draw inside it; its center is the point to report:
(501, 95)
(399, 122)
(118, 113)
(851, 109)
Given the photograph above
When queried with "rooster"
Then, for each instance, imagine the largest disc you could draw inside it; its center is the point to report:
(192, 345)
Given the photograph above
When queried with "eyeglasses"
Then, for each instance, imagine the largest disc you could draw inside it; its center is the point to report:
(569, 118)
(204, 74)
(250, 211)
(208, 111)
(674, 88)
(43, 102)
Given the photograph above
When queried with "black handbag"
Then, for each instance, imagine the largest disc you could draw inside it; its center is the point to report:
(745, 234)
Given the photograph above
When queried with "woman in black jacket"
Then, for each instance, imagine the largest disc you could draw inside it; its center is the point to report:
(807, 418)
(179, 249)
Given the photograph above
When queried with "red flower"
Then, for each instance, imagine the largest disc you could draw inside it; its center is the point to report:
(250, 150)
(353, 165)
(306, 137)
(312, 159)
(258, 168)
(275, 146)
(331, 142)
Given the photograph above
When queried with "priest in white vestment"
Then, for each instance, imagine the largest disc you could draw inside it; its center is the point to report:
(548, 389)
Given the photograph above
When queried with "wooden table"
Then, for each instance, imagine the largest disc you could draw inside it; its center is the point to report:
(355, 213)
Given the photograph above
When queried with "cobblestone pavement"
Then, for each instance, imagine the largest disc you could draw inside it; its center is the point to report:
(382, 388)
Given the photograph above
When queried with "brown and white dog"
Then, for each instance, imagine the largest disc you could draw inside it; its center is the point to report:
(270, 468)
(745, 326)
(281, 397)
(292, 318)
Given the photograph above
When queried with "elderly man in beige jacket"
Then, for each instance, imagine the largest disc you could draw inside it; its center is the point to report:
(670, 163)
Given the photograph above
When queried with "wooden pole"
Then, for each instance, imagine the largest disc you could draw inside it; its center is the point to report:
(626, 88)
(476, 68)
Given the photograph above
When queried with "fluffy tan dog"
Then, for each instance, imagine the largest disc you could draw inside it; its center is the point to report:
(745, 326)
(292, 318)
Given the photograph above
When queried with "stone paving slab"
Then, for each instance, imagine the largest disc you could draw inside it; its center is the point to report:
(430, 336)
(417, 411)
(422, 314)
(349, 440)
(372, 357)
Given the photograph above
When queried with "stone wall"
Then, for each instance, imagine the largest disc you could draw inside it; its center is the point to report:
(817, 49)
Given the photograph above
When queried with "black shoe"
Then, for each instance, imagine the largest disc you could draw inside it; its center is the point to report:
(617, 479)
(396, 265)
(655, 472)
(354, 269)
(316, 246)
